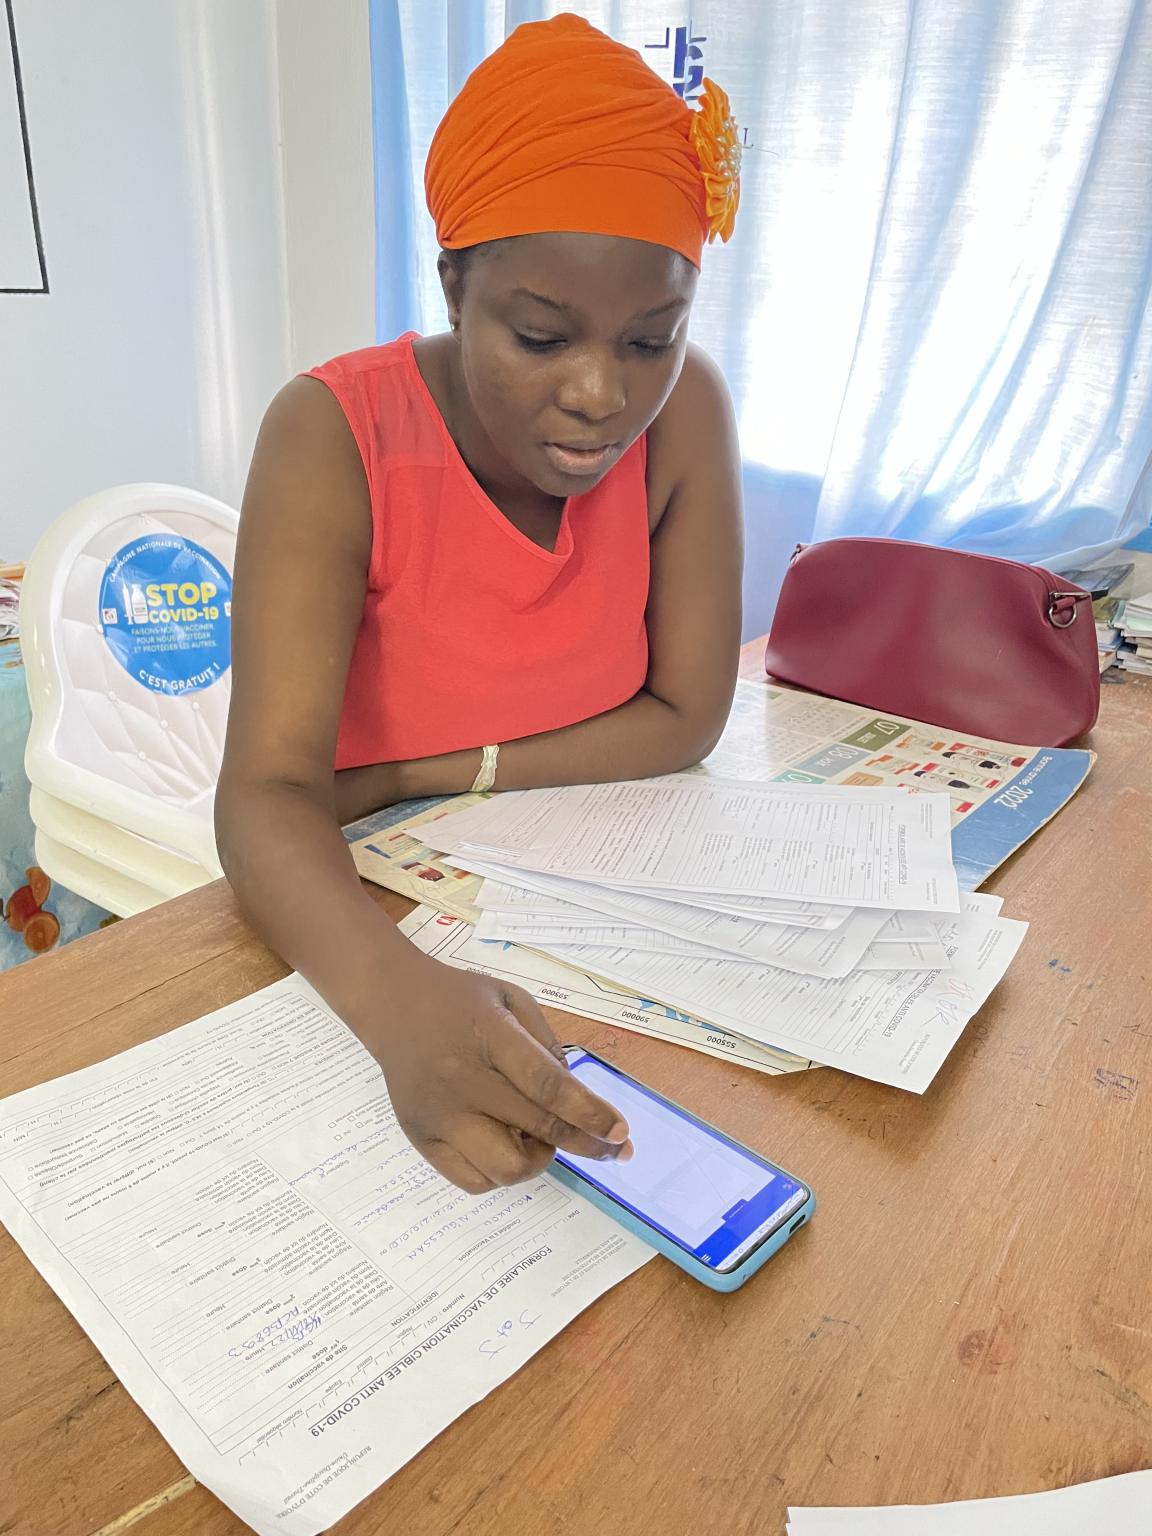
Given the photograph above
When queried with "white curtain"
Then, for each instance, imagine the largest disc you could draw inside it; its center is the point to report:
(935, 314)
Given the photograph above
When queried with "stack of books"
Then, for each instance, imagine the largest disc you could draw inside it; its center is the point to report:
(1134, 622)
(1104, 583)
(1107, 634)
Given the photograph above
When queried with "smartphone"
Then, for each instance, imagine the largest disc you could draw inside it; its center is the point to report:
(706, 1202)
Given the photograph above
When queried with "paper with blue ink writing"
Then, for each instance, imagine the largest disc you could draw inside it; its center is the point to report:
(558, 985)
(895, 1027)
(294, 1297)
(394, 854)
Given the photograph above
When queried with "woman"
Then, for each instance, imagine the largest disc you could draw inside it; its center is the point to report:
(521, 535)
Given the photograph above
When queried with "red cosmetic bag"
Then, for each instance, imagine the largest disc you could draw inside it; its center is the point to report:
(983, 646)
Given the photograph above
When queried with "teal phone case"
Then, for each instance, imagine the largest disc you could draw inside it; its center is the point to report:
(680, 1256)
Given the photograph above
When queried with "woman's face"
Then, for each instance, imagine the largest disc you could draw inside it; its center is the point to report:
(570, 344)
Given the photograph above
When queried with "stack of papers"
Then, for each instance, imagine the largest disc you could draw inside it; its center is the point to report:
(1108, 636)
(824, 921)
(1104, 583)
(1117, 1505)
(395, 854)
(1134, 621)
(559, 985)
(1000, 795)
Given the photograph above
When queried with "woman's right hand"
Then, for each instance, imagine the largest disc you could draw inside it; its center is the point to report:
(478, 1081)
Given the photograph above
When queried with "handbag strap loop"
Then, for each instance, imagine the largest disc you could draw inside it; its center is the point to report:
(1063, 608)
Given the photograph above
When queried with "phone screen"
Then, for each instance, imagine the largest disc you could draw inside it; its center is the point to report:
(710, 1195)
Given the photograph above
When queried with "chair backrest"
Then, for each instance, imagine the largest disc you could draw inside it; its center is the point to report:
(103, 887)
(126, 619)
(139, 859)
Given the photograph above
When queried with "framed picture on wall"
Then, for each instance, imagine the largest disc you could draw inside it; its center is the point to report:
(22, 265)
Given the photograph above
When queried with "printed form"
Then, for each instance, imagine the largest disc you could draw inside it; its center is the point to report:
(647, 923)
(917, 955)
(556, 984)
(294, 1297)
(674, 836)
(552, 893)
(895, 1027)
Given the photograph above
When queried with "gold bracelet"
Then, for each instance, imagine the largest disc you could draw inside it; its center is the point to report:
(485, 779)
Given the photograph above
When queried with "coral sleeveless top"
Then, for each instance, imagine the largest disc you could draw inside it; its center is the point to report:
(471, 633)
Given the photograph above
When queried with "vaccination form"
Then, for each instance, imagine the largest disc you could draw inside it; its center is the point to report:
(294, 1297)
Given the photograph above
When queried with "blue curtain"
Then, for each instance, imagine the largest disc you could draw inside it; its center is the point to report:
(935, 315)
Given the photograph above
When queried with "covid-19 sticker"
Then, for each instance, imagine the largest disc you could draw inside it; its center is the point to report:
(166, 613)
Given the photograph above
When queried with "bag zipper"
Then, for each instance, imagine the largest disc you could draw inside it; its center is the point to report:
(1052, 590)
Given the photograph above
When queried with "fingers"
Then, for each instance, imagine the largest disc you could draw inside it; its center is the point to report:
(525, 1060)
(492, 1151)
(501, 1106)
(456, 1168)
(528, 1013)
(507, 1104)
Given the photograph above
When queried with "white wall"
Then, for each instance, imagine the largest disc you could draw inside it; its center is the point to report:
(155, 136)
(326, 123)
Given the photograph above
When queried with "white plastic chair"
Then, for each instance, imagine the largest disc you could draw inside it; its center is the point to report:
(113, 849)
(123, 733)
(103, 887)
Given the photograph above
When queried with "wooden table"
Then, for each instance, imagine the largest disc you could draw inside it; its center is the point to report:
(968, 1314)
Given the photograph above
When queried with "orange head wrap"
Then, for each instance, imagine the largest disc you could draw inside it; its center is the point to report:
(563, 129)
